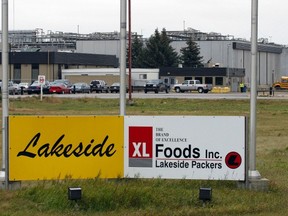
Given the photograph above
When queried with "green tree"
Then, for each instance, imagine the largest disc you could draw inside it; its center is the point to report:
(171, 56)
(158, 51)
(190, 55)
(137, 50)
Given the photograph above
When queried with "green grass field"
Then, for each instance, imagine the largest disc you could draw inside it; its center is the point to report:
(158, 196)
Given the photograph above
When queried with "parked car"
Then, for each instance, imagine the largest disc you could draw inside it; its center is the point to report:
(115, 87)
(156, 86)
(17, 89)
(80, 87)
(63, 81)
(47, 83)
(11, 89)
(59, 88)
(192, 85)
(24, 85)
(99, 86)
(35, 88)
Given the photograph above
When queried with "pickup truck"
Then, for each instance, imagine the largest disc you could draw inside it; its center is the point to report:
(192, 85)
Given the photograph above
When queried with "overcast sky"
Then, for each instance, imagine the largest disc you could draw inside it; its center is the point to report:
(227, 17)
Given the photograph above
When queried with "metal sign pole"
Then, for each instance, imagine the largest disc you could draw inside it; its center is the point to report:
(41, 81)
(130, 51)
(123, 33)
(4, 88)
(41, 92)
(253, 173)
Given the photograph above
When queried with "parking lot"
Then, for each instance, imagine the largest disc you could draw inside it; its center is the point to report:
(189, 95)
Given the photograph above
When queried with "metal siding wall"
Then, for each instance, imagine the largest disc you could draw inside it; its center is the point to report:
(273, 67)
(268, 63)
(218, 52)
(110, 47)
(262, 69)
(177, 45)
(247, 66)
(238, 59)
(283, 67)
(206, 50)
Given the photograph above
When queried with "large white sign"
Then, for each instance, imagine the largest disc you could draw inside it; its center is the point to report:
(188, 147)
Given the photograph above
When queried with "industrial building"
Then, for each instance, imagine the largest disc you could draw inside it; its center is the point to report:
(219, 51)
(26, 66)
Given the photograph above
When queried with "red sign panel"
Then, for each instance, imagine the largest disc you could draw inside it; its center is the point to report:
(140, 146)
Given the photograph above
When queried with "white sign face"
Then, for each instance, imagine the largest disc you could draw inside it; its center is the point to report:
(41, 79)
(185, 147)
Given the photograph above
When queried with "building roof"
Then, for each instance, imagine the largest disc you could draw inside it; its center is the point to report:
(62, 58)
(269, 48)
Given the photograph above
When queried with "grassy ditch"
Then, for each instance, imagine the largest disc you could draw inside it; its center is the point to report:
(158, 196)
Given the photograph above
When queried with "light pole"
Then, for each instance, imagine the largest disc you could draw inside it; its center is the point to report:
(130, 50)
(253, 173)
(123, 27)
(4, 89)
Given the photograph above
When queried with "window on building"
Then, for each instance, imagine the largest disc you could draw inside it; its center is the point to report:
(142, 76)
(187, 78)
(17, 73)
(208, 80)
(166, 80)
(35, 71)
(172, 81)
(199, 78)
(219, 81)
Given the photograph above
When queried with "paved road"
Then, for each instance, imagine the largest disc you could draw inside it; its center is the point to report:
(277, 95)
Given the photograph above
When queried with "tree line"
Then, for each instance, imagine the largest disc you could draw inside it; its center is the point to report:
(158, 52)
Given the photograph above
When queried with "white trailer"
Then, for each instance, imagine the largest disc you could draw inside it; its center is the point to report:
(139, 76)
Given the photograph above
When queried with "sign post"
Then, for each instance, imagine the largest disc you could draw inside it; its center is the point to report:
(5, 97)
(123, 35)
(41, 81)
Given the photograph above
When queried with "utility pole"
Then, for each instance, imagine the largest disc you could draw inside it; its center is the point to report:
(123, 27)
(4, 90)
(130, 51)
(253, 173)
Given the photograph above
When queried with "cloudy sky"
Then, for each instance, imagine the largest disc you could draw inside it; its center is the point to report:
(228, 17)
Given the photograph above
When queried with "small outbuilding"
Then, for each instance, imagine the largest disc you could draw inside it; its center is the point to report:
(139, 76)
(217, 76)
